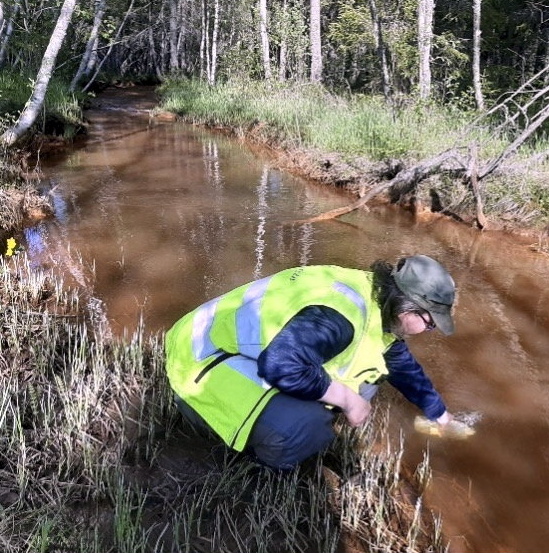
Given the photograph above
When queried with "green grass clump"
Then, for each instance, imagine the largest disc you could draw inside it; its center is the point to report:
(309, 115)
(62, 111)
(95, 458)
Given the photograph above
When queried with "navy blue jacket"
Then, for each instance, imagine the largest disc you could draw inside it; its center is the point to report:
(292, 362)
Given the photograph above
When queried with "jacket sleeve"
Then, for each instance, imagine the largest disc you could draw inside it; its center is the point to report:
(292, 362)
(408, 377)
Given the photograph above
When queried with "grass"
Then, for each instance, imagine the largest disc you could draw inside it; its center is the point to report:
(95, 458)
(309, 115)
(62, 111)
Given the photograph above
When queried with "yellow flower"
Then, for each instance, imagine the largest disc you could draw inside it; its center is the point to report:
(11, 246)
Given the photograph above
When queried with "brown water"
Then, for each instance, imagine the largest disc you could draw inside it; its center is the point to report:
(168, 215)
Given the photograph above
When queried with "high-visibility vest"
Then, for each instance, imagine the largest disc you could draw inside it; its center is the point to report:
(211, 353)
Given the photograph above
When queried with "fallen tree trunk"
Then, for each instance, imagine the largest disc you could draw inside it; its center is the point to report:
(472, 177)
(403, 183)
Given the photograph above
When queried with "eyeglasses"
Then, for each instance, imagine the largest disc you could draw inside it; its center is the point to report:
(429, 323)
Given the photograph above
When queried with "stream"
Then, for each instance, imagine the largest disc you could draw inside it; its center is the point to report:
(158, 216)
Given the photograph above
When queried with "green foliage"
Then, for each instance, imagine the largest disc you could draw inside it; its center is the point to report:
(352, 28)
(449, 66)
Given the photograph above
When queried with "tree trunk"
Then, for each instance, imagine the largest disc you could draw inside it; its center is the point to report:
(5, 37)
(283, 56)
(215, 32)
(203, 36)
(89, 59)
(472, 177)
(32, 108)
(174, 20)
(264, 35)
(425, 38)
(316, 42)
(534, 125)
(403, 183)
(156, 55)
(111, 45)
(381, 50)
(476, 55)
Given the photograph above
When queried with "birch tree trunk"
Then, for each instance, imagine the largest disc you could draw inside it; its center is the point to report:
(283, 55)
(477, 85)
(203, 40)
(174, 27)
(316, 42)
(426, 9)
(89, 59)
(264, 34)
(32, 108)
(215, 33)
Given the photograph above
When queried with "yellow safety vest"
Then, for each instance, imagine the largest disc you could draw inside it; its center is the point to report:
(211, 353)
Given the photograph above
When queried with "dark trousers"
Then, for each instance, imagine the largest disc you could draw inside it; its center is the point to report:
(287, 432)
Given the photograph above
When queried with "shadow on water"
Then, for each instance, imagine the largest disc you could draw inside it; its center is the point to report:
(167, 216)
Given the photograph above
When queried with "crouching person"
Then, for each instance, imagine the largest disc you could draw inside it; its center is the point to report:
(263, 364)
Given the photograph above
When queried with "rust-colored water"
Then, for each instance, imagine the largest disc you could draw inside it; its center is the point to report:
(171, 215)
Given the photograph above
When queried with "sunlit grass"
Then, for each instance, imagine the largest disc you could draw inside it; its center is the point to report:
(308, 115)
(60, 104)
(85, 420)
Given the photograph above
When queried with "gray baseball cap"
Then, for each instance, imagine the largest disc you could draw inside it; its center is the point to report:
(428, 284)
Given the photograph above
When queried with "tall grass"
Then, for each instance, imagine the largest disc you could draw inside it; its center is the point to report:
(95, 458)
(60, 105)
(308, 115)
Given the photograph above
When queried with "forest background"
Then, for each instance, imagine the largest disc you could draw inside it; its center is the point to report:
(441, 106)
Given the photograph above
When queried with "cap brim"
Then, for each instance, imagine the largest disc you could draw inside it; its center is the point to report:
(443, 319)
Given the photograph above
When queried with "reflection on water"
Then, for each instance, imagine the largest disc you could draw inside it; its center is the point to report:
(167, 216)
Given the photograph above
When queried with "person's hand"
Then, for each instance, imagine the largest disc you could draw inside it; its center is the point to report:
(358, 411)
(355, 408)
(446, 426)
(445, 418)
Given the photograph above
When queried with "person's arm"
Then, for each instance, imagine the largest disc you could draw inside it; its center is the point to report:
(355, 408)
(292, 362)
(409, 378)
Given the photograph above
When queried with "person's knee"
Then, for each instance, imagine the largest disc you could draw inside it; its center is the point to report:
(290, 431)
